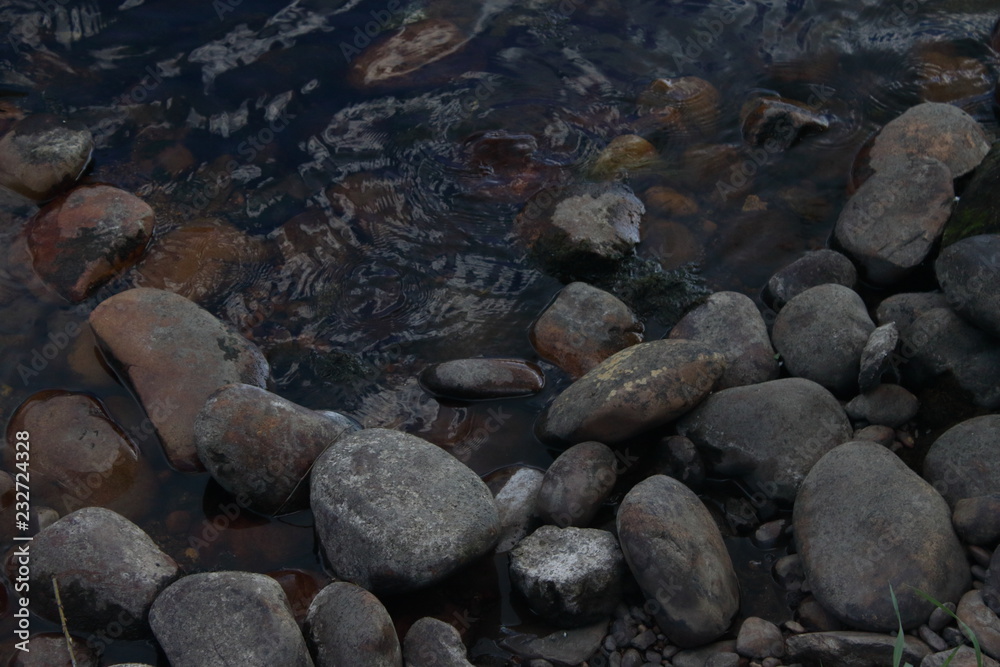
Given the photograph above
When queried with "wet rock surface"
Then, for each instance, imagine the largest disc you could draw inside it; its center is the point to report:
(779, 123)
(730, 323)
(865, 521)
(433, 513)
(260, 446)
(821, 335)
(637, 389)
(347, 624)
(969, 272)
(676, 553)
(174, 354)
(471, 379)
(771, 434)
(575, 485)
(516, 507)
(42, 154)
(406, 55)
(241, 615)
(962, 462)
(817, 267)
(891, 223)
(108, 569)
(87, 237)
(570, 576)
(582, 327)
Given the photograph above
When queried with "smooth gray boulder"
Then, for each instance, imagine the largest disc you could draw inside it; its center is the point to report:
(969, 272)
(395, 513)
(964, 462)
(347, 625)
(864, 522)
(576, 484)
(769, 434)
(516, 506)
(817, 267)
(821, 335)
(434, 643)
(729, 323)
(886, 404)
(569, 576)
(237, 617)
(108, 570)
(635, 390)
(676, 553)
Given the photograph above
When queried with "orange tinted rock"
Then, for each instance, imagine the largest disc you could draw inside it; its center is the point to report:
(406, 52)
(88, 236)
(668, 201)
(686, 104)
(628, 151)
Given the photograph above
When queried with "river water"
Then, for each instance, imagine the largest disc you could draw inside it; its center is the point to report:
(358, 234)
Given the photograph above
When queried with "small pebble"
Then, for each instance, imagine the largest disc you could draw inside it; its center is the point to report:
(931, 638)
(610, 645)
(794, 626)
(653, 657)
(980, 555)
(632, 658)
(939, 618)
(643, 640)
(953, 636)
(724, 659)
(883, 435)
(669, 652)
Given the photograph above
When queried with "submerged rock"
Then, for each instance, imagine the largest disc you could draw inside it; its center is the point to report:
(582, 327)
(777, 124)
(637, 389)
(569, 576)
(260, 446)
(88, 236)
(625, 152)
(770, 434)
(585, 223)
(108, 570)
(685, 106)
(472, 379)
(406, 55)
(41, 155)
(174, 354)
(434, 514)
(675, 551)
(233, 615)
(864, 522)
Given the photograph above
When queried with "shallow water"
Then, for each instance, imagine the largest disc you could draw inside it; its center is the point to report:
(362, 234)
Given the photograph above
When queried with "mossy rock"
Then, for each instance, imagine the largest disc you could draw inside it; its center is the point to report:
(978, 209)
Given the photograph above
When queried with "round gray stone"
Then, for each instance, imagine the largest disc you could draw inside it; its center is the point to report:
(434, 643)
(347, 625)
(964, 461)
(576, 484)
(817, 267)
(886, 404)
(969, 272)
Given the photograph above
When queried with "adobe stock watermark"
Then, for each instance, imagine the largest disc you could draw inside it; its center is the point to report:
(382, 20)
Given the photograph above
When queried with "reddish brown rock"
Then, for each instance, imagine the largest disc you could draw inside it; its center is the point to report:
(88, 236)
(79, 456)
(405, 53)
(582, 327)
(623, 153)
(260, 446)
(686, 105)
(471, 379)
(174, 354)
(776, 124)
(42, 155)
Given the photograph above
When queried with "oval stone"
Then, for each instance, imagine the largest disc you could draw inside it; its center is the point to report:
(470, 379)
(43, 154)
(347, 625)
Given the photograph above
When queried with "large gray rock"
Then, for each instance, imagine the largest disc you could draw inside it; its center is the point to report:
(41, 155)
(174, 354)
(575, 485)
(582, 327)
(969, 272)
(729, 323)
(851, 649)
(637, 389)
(108, 571)
(864, 522)
(821, 335)
(964, 461)
(570, 576)
(260, 446)
(817, 267)
(891, 223)
(395, 513)
(677, 555)
(347, 625)
(770, 434)
(236, 617)
(434, 643)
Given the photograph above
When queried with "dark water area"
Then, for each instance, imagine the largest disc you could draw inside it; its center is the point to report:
(359, 234)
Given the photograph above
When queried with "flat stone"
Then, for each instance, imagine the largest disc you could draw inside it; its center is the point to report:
(864, 522)
(582, 327)
(174, 354)
(576, 484)
(641, 387)
(348, 625)
(969, 272)
(982, 621)
(730, 323)
(770, 434)
(891, 223)
(677, 555)
(260, 446)
(699, 657)
(851, 649)
(108, 571)
(877, 360)
(962, 462)
(817, 267)
(395, 513)
(821, 335)
(963, 656)
(566, 648)
(42, 155)
(239, 616)
(88, 236)
(886, 404)
(405, 55)
(569, 576)
(471, 379)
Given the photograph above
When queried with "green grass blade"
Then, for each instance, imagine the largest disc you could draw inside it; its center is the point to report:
(966, 630)
(897, 649)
